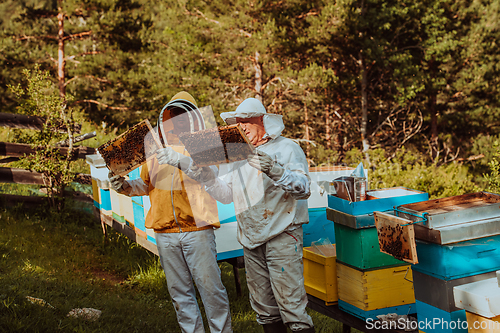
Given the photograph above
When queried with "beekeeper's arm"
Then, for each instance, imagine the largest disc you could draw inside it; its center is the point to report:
(128, 187)
(203, 175)
(293, 180)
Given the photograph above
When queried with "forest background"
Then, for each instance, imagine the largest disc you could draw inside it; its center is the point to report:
(411, 88)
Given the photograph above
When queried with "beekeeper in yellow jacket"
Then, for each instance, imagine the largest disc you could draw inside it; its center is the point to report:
(183, 217)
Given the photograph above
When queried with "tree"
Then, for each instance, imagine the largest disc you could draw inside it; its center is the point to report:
(85, 44)
(39, 96)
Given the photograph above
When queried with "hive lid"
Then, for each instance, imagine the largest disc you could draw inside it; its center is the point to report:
(452, 210)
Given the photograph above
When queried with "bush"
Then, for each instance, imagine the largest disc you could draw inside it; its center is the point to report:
(408, 169)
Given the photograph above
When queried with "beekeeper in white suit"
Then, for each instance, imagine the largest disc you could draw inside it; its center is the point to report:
(183, 216)
(269, 191)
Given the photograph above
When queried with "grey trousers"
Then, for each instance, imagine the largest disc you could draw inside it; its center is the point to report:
(275, 278)
(191, 256)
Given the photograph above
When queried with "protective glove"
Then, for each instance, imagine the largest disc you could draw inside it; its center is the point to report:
(117, 182)
(204, 175)
(171, 157)
(263, 162)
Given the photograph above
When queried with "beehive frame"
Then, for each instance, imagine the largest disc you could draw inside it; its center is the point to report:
(129, 150)
(396, 237)
(217, 145)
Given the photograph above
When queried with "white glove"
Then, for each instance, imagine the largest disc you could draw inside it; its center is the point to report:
(204, 175)
(117, 182)
(173, 158)
(263, 162)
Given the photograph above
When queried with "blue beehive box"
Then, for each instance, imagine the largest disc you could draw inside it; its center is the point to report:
(435, 320)
(105, 205)
(403, 309)
(460, 259)
(380, 200)
(318, 227)
(139, 218)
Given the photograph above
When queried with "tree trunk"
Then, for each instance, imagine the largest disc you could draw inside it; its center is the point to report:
(258, 77)
(364, 107)
(61, 61)
(328, 135)
(306, 122)
(434, 127)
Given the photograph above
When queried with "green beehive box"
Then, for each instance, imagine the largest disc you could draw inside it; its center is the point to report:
(359, 248)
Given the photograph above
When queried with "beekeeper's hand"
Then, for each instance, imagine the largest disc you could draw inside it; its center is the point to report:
(263, 162)
(117, 182)
(204, 175)
(171, 157)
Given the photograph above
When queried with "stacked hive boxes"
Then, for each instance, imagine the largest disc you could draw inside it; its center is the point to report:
(456, 244)
(370, 283)
(100, 184)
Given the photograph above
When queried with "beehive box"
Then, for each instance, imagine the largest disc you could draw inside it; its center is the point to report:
(139, 219)
(116, 206)
(100, 183)
(480, 324)
(459, 259)
(438, 292)
(359, 248)
(218, 145)
(318, 227)
(382, 200)
(131, 149)
(434, 320)
(320, 274)
(479, 297)
(375, 289)
(351, 221)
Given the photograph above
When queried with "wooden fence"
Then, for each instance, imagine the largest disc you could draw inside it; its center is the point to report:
(13, 151)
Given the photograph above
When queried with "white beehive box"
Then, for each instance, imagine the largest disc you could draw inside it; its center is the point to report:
(480, 297)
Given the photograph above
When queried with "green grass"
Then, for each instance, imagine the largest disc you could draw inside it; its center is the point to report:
(63, 259)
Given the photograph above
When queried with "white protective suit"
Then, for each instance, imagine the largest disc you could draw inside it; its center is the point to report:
(270, 216)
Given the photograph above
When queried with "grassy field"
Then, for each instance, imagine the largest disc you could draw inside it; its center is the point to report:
(63, 259)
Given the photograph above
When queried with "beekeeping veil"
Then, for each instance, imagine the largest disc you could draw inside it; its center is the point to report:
(182, 114)
(180, 105)
(252, 107)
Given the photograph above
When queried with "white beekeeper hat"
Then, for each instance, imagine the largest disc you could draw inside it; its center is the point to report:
(252, 107)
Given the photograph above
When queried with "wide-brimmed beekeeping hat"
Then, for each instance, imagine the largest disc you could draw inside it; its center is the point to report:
(252, 107)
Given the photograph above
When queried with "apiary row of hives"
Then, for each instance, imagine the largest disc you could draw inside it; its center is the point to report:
(127, 214)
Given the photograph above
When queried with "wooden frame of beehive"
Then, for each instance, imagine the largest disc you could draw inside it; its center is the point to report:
(130, 149)
(217, 145)
(396, 237)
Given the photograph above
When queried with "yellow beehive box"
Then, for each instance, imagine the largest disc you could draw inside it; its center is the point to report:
(320, 274)
(375, 289)
(479, 324)
(95, 193)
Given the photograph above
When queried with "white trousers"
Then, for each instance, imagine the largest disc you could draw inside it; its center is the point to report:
(191, 256)
(275, 278)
